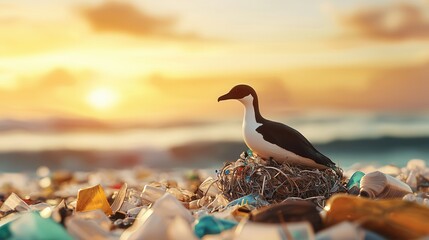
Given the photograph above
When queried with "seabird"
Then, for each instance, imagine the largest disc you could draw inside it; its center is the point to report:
(268, 139)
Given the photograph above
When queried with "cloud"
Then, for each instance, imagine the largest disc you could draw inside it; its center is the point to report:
(401, 21)
(397, 89)
(56, 90)
(125, 18)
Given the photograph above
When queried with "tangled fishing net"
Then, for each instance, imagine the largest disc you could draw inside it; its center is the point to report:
(277, 182)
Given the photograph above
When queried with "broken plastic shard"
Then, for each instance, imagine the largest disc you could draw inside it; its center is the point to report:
(120, 197)
(81, 228)
(219, 202)
(347, 230)
(32, 226)
(289, 211)
(92, 198)
(14, 203)
(393, 218)
(209, 187)
(148, 225)
(412, 180)
(417, 165)
(178, 194)
(97, 216)
(153, 223)
(180, 229)
(151, 194)
(355, 180)
(211, 225)
(251, 199)
(169, 207)
(250, 230)
(133, 212)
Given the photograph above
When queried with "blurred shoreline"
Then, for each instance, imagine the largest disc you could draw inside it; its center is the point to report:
(86, 144)
(212, 154)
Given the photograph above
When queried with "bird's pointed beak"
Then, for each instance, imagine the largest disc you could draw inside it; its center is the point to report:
(224, 97)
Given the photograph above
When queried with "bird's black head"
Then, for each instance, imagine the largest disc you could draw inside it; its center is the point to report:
(238, 92)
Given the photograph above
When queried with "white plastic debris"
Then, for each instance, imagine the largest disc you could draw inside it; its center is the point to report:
(151, 194)
(169, 207)
(416, 165)
(209, 187)
(249, 230)
(14, 203)
(180, 229)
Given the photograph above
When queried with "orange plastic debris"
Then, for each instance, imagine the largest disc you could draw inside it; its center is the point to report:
(92, 198)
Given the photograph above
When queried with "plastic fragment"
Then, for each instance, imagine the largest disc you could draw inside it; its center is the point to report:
(133, 212)
(154, 223)
(211, 225)
(355, 180)
(251, 199)
(347, 230)
(251, 230)
(96, 216)
(120, 197)
(289, 211)
(412, 180)
(92, 198)
(392, 218)
(151, 194)
(209, 187)
(148, 225)
(180, 229)
(417, 165)
(169, 207)
(13, 203)
(81, 228)
(32, 226)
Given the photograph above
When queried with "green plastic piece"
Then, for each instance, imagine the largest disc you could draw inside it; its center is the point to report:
(211, 225)
(32, 226)
(355, 180)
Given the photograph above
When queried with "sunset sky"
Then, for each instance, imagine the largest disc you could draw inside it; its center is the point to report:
(167, 60)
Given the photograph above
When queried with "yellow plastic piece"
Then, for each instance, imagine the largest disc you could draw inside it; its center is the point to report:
(92, 198)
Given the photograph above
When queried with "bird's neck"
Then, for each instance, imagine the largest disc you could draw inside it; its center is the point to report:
(251, 110)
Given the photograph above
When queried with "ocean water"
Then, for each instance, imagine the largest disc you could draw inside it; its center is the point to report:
(347, 138)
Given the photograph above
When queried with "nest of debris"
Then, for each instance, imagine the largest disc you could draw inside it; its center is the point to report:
(277, 182)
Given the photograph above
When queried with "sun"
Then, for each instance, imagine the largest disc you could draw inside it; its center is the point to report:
(102, 98)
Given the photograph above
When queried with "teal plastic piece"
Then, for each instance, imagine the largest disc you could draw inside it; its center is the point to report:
(211, 225)
(32, 226)
(355, 180)
(251, 199)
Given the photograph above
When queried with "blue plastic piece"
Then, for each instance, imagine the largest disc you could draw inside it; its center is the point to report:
(355, 180)
(211, 225)
(251, 199)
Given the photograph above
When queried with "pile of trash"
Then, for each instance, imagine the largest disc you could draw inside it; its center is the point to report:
(240, 201)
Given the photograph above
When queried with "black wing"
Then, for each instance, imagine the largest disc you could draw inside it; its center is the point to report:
(292, 140)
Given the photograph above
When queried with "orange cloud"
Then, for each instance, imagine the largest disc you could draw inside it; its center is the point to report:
(56, 90)
(395, 89)
(128, 19)
(400, 21)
